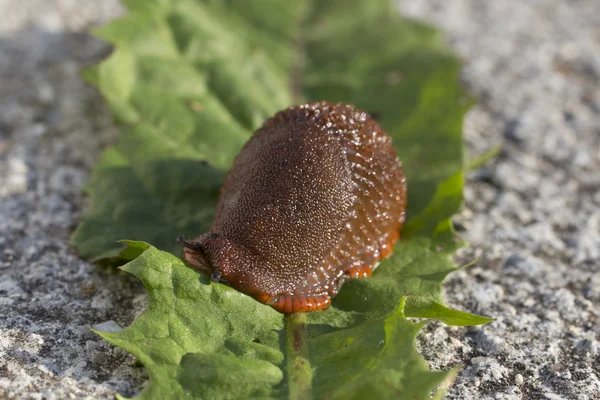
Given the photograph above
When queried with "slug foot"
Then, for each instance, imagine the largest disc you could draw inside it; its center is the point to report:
(358, 271)
(386, 248)
(300, 302)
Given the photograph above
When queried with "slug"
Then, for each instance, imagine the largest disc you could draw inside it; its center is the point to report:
(317, 196)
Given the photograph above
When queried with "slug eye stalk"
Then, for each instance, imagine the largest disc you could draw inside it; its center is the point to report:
(190, 244)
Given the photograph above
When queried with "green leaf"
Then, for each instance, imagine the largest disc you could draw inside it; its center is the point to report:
(191, 80)
(202, 340)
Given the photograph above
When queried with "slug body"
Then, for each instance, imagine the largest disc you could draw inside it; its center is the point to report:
(316, 196)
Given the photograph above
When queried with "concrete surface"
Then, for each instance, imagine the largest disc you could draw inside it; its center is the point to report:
(532, 215)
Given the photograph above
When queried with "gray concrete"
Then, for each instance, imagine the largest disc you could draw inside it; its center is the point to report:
(52, 129)
(532, 215)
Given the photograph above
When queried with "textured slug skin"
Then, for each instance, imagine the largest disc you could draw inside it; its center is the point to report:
(315, 197)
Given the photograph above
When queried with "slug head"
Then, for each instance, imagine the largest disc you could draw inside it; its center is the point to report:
(221, 259)
(202, 254)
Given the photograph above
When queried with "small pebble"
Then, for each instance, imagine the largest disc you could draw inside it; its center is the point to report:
(519, 379)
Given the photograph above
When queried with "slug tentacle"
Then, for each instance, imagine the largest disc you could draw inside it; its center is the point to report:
(216, 277)
(190, 244)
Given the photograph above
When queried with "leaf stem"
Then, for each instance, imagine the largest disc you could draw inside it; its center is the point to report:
(299, 372)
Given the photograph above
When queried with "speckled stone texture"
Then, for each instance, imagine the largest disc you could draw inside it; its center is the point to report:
(532, 215)
(52, 129)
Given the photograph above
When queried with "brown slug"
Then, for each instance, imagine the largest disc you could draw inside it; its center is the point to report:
(316, 196)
